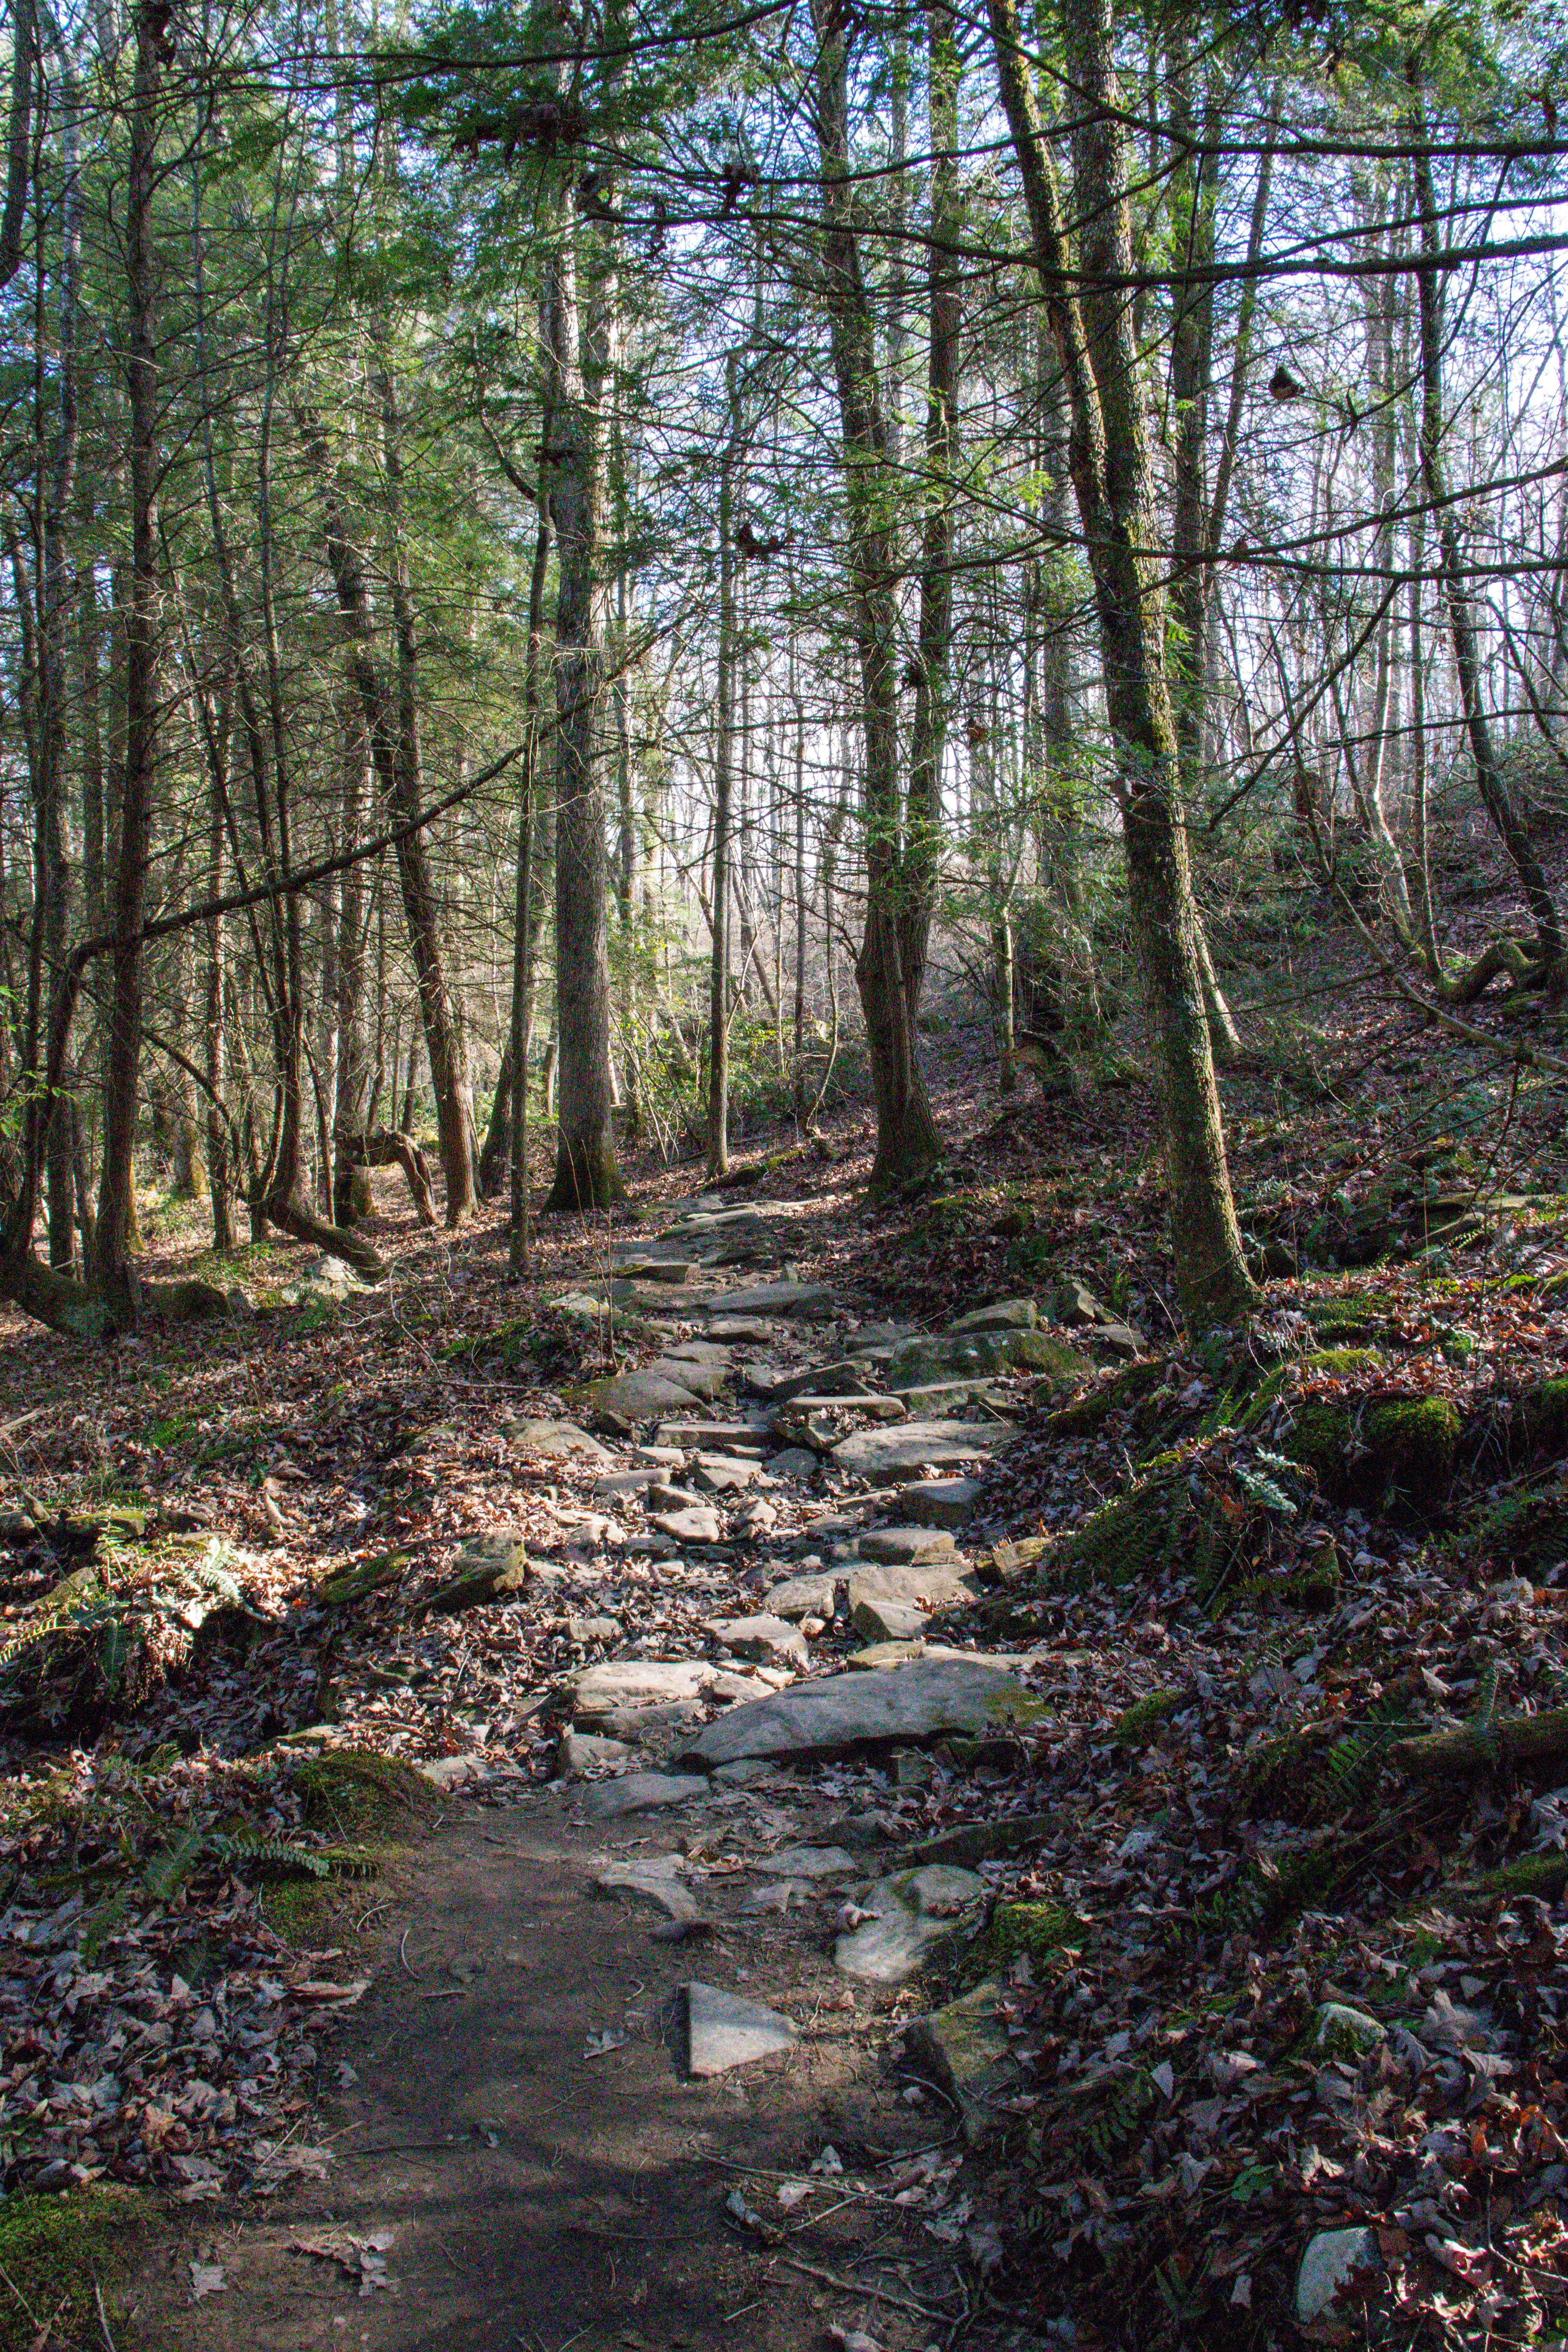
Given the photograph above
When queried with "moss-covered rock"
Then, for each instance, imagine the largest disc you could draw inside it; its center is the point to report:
(355, 1792)
(1544, 1413)
(1359, 1450)
(1137, 1723)
(1088, 1411)
(1411, 1443)
(350, 1584)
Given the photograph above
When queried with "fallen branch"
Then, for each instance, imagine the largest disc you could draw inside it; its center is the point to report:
(1513, 1739)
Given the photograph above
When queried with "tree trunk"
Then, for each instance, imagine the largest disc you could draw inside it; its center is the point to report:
(908, 1142)
(586, 1176)
(723, 759)
(1490, 779)
(116, 1204)
(1095, 336)
(443, 1027)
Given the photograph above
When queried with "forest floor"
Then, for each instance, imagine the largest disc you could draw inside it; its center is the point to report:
(1146, 1880)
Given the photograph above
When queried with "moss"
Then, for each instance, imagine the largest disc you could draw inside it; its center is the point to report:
(1037, 1931)
(1544, 1876)
(1412, 1443)
(365, 1575)
(306, 1912)
(1350, 1319)
(354, 1792)
(1092, 1407)
(1545, 1412)
(1137, 1723)
(53, 2252)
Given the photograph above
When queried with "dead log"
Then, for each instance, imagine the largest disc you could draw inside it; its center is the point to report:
(387, 1148)
(1473, 1748)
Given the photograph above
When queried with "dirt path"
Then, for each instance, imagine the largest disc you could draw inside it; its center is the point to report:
(528, 2195)
(534, 2146)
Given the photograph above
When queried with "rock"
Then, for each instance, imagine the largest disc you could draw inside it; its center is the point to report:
(452, 1772)
(937, 1585)
(757, 1515)
(1074, 1303)
(667, 1497)
(911, 1914)
(757, 1637)
(654, 1884)
(844, 1378)
(1330, 2262)
(803, 1596)
(553, 1438)
(709, 2031)
(619, 1483)
(910, 1545)
(742, 1331)
(1007, 1315)
(966, 2049)
(710, 1437)
(488, 1567)
(620, 1686)
(583, 1630)
(803, 1302)
(979, 1355)
(946, 1400)
(695, 1526)
(797, 1462)
(724, 1473)
(1116, 1339)
(703, 1376)
(1338, 2031)
(809, 1862)
(628, 1398)
(879, 1622)
(644, 1792)
(882, 1655)
(926, 1700)
(875, 1453)
(872, 1336)
(581, 1753)
(939, 1502)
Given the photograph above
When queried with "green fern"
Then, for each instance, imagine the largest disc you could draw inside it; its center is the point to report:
(282, 1858)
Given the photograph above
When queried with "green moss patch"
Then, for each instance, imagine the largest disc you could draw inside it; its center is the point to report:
(1040, 1932)
(353, 1793)
(54, 2250)
(1137, 1723)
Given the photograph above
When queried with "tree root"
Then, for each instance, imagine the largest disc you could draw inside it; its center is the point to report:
(1473, 1748)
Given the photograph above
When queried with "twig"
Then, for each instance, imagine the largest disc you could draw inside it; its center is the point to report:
(21, 2298)
(103, 2317)
(401, 1954)
(857, 2286)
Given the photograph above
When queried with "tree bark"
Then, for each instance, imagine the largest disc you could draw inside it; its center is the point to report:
(586, 1175)
(116, 1204)
(908, 1142)
(1094, 331)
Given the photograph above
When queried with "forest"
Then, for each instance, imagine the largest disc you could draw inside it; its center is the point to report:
(784, 1200)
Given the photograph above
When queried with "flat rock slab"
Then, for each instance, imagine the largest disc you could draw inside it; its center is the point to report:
(695, 1526)
(710, 2031)
(724, 1473)
(645, 1793)
(888, 1621)
(802, 1302)
(585, 1751)
(964, 2047)
(911, 1546)
(1003, 1315)
(900, 1652)
(911, 1914)
(763, 1636)
(926, 1700)
(556, 1438)
(653, 1883)
(711, 1437)
(743, 1331)
(809, 1862)
(912, 1445)
(938, 1502)
(620, 1686)
(935, 1584)
(803, 1596)
(628, 1398)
